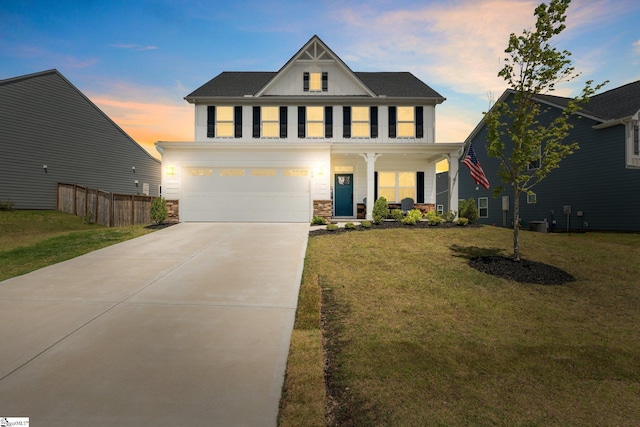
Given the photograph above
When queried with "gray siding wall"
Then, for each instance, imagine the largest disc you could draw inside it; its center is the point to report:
(46, 121)
(593, 180)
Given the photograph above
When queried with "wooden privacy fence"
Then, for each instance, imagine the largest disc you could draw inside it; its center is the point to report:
(112, 210)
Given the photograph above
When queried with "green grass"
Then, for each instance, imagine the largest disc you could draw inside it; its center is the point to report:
(30, 240)
(417, 337)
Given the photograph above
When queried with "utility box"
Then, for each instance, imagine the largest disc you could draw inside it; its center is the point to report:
(538, 226)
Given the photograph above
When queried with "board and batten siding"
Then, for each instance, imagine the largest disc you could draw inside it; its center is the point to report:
(48, 121)
(593, 180)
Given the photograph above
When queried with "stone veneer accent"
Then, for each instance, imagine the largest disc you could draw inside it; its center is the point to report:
(174, 211)
(425, 207)
(323, 208)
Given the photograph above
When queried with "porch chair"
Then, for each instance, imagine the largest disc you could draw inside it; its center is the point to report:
(406, 204)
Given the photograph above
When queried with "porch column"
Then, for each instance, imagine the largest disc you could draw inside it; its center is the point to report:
(453, 181)
(370, 158)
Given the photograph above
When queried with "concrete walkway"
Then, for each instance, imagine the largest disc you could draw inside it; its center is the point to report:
(187, 326)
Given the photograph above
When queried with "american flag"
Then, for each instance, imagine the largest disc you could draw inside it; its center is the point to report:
(475, 169)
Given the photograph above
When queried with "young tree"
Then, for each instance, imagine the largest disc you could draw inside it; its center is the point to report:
(533, 67)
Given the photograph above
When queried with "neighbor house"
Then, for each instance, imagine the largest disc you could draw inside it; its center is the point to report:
(314, 138)
(596, 188)
(51, 133)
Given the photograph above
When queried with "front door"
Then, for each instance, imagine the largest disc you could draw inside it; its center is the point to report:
(344, 194)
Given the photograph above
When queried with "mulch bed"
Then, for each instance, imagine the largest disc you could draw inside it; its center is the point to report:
(386, 225)
(523, 271)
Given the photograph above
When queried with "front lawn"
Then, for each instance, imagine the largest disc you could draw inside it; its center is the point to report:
(30, 240)
(413, 336)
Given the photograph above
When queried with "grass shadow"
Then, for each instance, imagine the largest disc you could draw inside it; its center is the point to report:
(470, 252)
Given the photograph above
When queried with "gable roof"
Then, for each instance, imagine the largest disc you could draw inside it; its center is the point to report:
(390, 84)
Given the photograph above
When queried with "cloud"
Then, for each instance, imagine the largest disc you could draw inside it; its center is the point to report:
(636, 45)
(161, 116)
(49, 59)
(135, 47)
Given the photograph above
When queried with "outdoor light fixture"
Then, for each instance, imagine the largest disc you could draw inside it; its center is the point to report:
(136, 182)
(133, 168)
(170, 170)
(44, 167)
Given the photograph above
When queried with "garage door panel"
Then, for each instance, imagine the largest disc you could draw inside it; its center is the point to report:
(243, 194)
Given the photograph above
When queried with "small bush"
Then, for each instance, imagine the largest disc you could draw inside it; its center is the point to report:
(462, 221)
(88, 218)
(159, 210)
(332, 227)
(350, 226)
(380, 210)
(413, 216)
(397, 214)
(449, 216)
(468, 209)
(433, 218)
(6, 206)
(366, 224)
(318, 220)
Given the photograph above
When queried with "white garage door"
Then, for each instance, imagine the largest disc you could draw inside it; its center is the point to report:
(245, 194)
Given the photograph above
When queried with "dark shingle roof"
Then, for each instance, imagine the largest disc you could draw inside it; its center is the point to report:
(392, 84)
(621, 102)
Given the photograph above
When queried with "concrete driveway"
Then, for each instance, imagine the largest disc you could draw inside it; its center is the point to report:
(187, 326)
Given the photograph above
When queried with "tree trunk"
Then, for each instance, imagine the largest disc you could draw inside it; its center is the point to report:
(516, 224)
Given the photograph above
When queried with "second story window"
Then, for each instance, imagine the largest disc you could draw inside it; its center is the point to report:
(360, 122)
(406, 122)
(315, 82)
(636, 140)
(270, 122)
(224, 122)
(315, 122)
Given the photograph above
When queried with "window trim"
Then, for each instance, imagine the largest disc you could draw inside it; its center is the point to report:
(486, 208)
(320, 122)
(275, 123)
(532, 198)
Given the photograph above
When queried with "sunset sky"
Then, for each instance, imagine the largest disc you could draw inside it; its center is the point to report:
(137, 59)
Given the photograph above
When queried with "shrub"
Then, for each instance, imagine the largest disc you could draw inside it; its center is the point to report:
(6, 206)
(350, 226)
(449, 216)
(159, 210)
(380, 210)
(366, 224)
(468, 209)
(397, 214)
(318, 220)
(332, 227)
(413, 216)
(462, 221)
(433, 218)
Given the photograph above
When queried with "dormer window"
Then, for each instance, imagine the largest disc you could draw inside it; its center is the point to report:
(315, 82)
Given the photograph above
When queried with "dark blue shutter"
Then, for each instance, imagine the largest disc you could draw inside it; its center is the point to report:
(346, 122)
(211, 121)
(237, 120)
(325, 82)
(373, 122)
(419, 123)
(328, 122)
(392, 122)
(375, 185)
(256, 122)
(420, 187)
(305, 82)
(283, 122)
(302, 119)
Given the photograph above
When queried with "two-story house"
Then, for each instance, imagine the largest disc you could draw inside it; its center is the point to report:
(595, 188)
(314, 138)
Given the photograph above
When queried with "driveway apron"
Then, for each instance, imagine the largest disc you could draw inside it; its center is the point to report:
(186, 326)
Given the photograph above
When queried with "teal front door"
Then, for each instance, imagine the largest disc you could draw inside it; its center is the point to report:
(344, 194)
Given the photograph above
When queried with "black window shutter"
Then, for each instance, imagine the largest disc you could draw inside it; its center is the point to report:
(328, 122)
(346, 122)
(305, 82)
(375, 186)
(211, 121)
(302, 118)
(237, 120)
(420, 187)
(325, 81)
(392, 122)
(373, 123)
(283, 122)
(256, 122)
(419, 123)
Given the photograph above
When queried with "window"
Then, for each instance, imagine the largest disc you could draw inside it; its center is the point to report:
(360, 122)
(535, 164)
(636, 140)
(395, 186)
(315, 122)
(440, 209)
(270, 122)
(224, 122)
(531, 198)
(483, 207)
(406, 122)
(315, 82)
